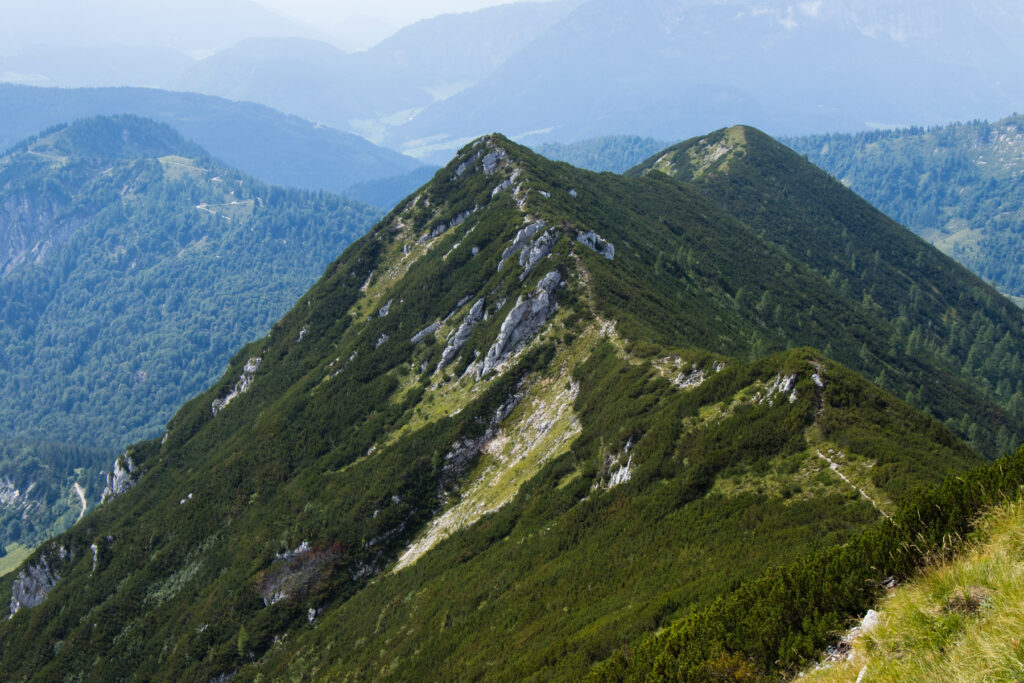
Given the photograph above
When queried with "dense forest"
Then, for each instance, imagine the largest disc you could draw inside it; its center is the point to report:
(131, 266)
(959, 186)
(615, 153)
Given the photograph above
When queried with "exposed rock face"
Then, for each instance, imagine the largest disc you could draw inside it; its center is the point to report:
(531, 255)
(597, 243)
(9, 493)
(294, 573)
(385, 309)
(506, 184)
(459, 219)
(781, 384)
(35, 581)
(464, 166)
(522, 237)
(523, 322)
(241, 386)
(493, 159)
(615, 471)
(474, 316)
(425, 332)
(121, 479)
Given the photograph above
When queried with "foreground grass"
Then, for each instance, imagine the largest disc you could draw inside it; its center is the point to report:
(959, 621)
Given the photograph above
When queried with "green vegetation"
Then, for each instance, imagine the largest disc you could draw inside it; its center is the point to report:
(918, 305)
(958, 620)
(661, 439)
(958, 186)
(132, 266)
(782, 620)
(615, 153)
(38, 498)
(12, 556)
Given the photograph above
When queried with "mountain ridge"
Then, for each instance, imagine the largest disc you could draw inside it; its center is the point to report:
(528, 377)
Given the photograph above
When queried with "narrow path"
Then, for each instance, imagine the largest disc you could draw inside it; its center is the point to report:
(81, 496)
(835, 468)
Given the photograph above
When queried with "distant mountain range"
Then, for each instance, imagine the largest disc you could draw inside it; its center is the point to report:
(543, 423)
(578, 69)
(373, 91)
(272, 146)
(669, 69)
(189, 27)
(130, 265)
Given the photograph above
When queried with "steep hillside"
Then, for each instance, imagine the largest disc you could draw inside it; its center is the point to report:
(775, 627)
(958, 186)
(924, 305)
(534, 401)
(130, 266)
(276, 148)
(958, 620)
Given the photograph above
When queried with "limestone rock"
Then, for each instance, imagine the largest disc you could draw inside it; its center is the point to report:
(531, 255)
(241, 386)
(475, 315)
(597, 243)
(426, 331)
(523, 322)
(121, 479)
(35, 581)
(459, 219)
(521, 238)
(492, 159)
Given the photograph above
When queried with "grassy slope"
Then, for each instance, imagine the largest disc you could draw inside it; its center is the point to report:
(958, 620)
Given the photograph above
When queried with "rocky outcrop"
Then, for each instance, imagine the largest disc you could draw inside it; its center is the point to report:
(294, 573)
(475, 315)
(121, 479)
(35, 581)
(506, 184)
(521, 238)
(493, 159)
(523, 322)
(385, 309)
(241, 386)
(531, 255)
(459, 219)
(465, 165)
(597, 243)
(9, 493)
(425, 332)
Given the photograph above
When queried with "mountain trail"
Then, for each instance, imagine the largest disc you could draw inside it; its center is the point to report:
(834, 466)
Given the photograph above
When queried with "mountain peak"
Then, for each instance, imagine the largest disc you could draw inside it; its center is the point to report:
(123, 136)
(703, 156)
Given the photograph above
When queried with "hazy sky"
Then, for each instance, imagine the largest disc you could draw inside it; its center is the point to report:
(361, 24)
